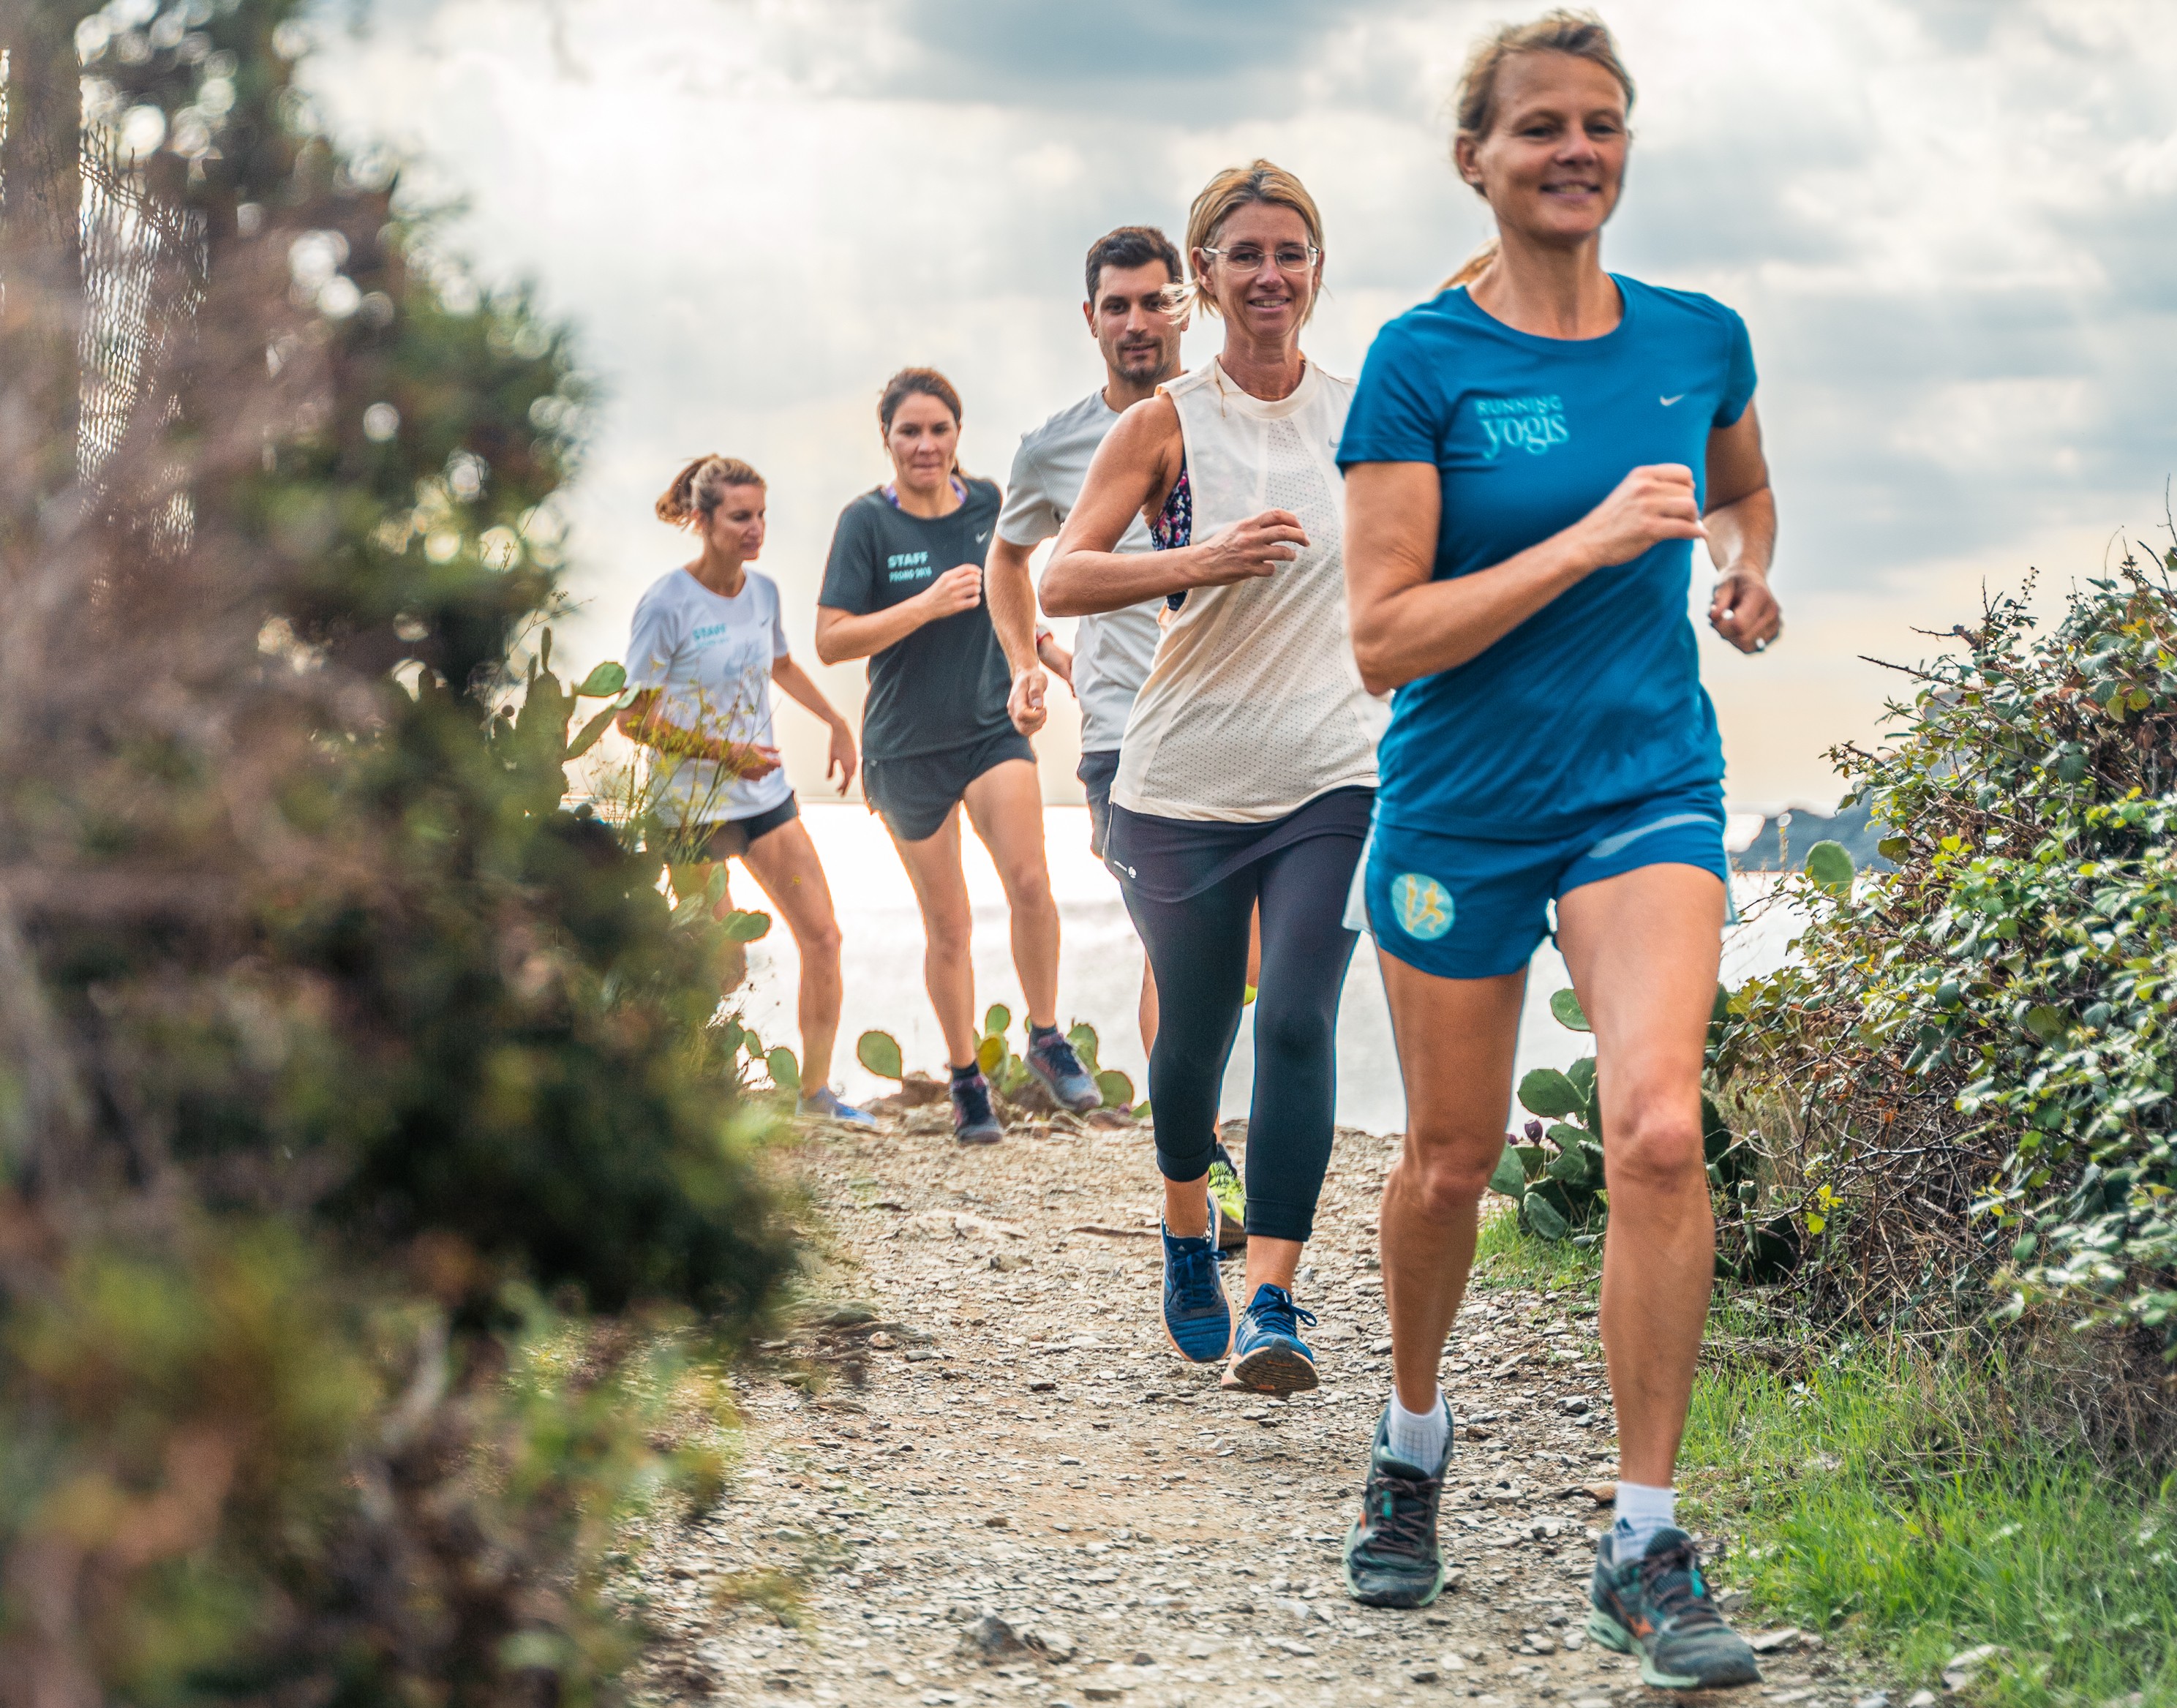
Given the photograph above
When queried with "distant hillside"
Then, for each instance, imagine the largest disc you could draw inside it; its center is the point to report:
(1783, 841)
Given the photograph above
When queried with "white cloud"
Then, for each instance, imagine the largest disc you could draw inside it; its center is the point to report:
(1946, 221)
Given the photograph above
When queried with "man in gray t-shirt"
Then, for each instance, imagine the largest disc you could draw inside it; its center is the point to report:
(1131, 272)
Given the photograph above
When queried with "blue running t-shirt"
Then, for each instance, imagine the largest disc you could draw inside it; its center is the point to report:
(1595, 700)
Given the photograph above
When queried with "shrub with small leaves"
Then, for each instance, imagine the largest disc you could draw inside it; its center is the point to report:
(333, 1043)
(1970, 1066)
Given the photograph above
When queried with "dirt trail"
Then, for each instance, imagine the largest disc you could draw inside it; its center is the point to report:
(1000, 1484)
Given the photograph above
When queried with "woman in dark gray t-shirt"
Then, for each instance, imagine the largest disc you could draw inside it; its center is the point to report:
(903, 589)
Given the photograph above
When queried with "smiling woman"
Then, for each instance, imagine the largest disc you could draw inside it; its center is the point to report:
(1248, 759)
(903, 589)
(1530, 458)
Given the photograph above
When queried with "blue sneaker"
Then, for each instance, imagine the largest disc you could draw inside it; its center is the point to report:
(1268, 1354)
(1197, 1314)
(1392, 1556)
(1051, 1059)
(825, 1104)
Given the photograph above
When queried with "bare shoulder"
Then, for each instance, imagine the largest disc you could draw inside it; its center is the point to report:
(1147, 431)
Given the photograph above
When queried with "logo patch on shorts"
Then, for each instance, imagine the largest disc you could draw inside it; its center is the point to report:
(1424, 905)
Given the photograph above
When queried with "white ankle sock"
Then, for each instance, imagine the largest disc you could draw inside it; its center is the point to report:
(1641, 1512)
(1420, 1438)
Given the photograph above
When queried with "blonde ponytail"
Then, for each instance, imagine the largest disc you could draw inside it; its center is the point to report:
(1472, 268)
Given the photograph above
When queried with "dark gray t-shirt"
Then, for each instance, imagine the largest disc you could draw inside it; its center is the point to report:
(944, 686)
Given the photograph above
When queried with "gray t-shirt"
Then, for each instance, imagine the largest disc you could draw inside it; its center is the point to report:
(1112, 650)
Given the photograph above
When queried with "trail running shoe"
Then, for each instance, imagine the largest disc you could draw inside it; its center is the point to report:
(1657, 1608)
(1392, 1557)
(1197, 1314)
(973, 1122)
(825, 1104)
(1051, 1059)
(1268, 1354)
(1231, 1201)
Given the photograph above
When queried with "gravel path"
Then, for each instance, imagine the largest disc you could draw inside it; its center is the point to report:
(982, 1475)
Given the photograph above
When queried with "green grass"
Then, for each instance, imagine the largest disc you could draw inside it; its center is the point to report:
(1885, 1500)
(1503, 1257)
(1890, 1499)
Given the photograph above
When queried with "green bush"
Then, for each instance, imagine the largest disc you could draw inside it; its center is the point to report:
(1963, 1083)
(332, 1043)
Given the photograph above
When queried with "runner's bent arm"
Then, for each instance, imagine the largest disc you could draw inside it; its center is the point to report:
(800, 688)
(1406, 625)
(1013, 614)
(1133, 472)
(642, 721)
(1742, 536)
(842, 636)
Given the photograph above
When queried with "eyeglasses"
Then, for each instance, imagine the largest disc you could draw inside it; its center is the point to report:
(1247, 257)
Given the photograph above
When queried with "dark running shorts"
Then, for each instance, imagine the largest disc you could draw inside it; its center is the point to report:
(1097, 772)
(731, 839)
(917, 793)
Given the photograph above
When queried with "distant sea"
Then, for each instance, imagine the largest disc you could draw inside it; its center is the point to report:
(1100, 969)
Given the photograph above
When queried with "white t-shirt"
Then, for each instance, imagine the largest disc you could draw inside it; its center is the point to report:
(1111, 650)
(712, 658)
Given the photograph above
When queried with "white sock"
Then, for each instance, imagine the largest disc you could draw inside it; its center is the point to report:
(1641, 1512)
(1420, 1438)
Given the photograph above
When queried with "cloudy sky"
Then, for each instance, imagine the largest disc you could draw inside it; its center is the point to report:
(1946, 222)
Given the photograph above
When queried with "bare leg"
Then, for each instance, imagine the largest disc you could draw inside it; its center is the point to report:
(1005, 804)
(1274, 1261)
(785, 864)
(940, 890)
(1642, 949)
(1455, 1038)
(1149, 1008)
(1187, 1207)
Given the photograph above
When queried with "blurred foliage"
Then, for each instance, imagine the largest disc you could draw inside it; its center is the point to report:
(879, 1052)
(1964, 1079)
(333, 1045)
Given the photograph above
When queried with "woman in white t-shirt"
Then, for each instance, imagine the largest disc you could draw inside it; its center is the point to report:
(705, 645)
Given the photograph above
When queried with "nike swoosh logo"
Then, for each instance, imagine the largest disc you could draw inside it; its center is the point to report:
(982, 536)
(1667, 402)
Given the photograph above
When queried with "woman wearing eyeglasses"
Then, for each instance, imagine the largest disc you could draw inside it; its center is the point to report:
(1248, 764)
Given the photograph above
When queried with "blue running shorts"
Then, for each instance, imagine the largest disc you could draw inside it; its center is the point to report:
(1458, 907)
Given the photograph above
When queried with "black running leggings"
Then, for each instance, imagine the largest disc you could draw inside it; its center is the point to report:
(1198, 951)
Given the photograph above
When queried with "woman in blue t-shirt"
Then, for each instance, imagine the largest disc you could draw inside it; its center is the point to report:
(1530, 458)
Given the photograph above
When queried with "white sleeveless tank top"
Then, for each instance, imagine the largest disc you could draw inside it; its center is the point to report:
(1253, 705)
